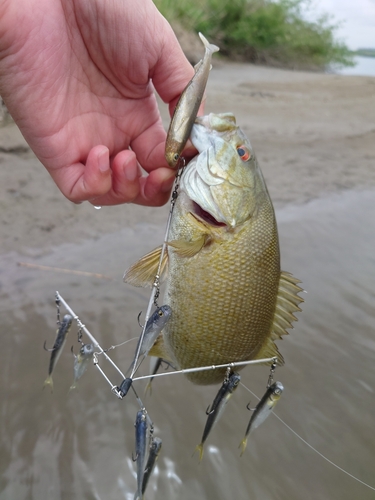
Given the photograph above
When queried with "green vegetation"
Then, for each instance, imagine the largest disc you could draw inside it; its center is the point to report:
(262, 31)
(365, 52)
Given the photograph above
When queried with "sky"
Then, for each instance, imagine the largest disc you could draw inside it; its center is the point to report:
(358, 16)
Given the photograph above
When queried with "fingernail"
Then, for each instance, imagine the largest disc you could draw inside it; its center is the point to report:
(103, 160)
(131, 172)
(166, 187)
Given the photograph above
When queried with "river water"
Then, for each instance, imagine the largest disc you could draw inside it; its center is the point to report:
(364, 66)
(79, 445)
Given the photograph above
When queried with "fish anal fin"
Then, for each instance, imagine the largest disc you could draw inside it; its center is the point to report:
(190, 248)
(142, 273)
(159, 350)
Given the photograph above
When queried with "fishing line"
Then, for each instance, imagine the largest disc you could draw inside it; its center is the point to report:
(156, 284)
(311, 447)
(119, 345)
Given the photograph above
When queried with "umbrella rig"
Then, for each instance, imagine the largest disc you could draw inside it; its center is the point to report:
(150, 330)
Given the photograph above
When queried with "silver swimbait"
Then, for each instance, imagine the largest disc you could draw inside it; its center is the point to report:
(218, 406)
(154, 326)
(262, 410)
(153, 455)
(81, 362)
(187, 107)
(140, 449)
(57, 348)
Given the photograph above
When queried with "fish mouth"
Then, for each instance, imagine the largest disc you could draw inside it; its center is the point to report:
(206, 216)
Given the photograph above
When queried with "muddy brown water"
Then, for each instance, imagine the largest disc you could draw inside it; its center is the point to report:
(79, 445)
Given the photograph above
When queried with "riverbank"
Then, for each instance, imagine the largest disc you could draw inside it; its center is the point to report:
(313, 135)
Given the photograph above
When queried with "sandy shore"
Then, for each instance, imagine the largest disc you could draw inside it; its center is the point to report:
(313, 134)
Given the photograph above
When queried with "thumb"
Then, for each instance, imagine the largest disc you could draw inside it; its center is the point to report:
(173, 71)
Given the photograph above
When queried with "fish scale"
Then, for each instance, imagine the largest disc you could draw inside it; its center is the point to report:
(226, 293)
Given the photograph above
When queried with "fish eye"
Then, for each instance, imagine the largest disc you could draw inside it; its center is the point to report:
(243, 153)
(176, 156)
(160, 313)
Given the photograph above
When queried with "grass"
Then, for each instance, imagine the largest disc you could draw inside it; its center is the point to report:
(262, 31)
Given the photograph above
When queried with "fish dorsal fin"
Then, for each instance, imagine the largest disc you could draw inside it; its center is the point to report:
(159, 350)
(287, 303)
(270, 350)
(186, 248)
(143, 272)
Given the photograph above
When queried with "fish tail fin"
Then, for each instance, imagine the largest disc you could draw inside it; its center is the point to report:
(72, 387)
(199, 448)
(148, 388)
(137, 496)
(210, 46)
(243, 445)
(49, 382)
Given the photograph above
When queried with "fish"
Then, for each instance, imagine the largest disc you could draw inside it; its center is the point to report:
(58, 346)
(154, 326)
(81, 362)
(187, 107)
(140, 449)
(222, 274)
(263, 410)
(153, 455)
(230, 384)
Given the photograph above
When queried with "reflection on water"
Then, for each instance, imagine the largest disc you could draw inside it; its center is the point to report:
(79, 445)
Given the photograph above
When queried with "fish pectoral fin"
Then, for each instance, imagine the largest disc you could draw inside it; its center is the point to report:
(287, 303)
(159, 350)
(143, 272)
(185, 248)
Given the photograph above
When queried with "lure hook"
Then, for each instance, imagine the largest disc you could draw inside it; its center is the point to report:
(45, 348)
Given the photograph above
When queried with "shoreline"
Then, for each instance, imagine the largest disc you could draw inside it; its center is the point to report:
(313, 135)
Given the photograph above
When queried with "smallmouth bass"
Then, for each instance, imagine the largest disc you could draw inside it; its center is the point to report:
(229, 298)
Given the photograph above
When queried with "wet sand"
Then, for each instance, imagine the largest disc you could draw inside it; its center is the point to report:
(313, 135)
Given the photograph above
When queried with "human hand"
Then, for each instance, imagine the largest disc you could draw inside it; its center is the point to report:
(75, 75)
